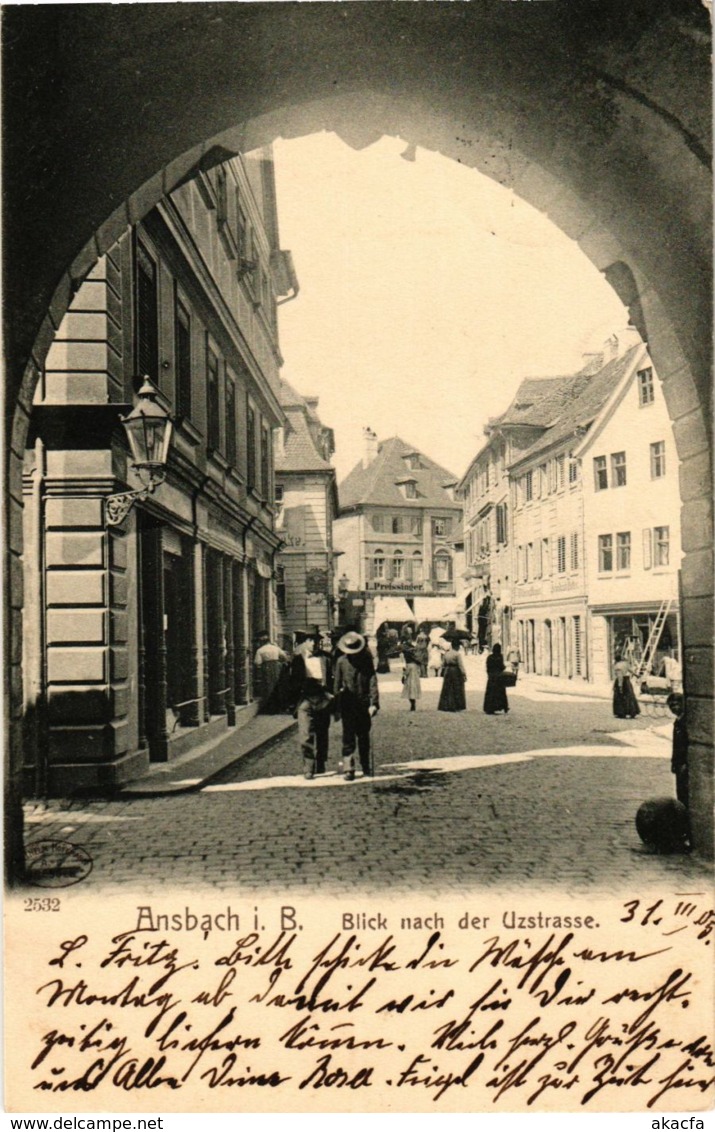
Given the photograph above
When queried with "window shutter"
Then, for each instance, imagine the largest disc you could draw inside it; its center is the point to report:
(647, 548)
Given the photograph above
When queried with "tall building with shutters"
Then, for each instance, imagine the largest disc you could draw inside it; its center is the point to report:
(307, 504)
(139, 636)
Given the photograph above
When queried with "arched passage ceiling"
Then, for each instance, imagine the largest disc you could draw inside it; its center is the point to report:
(597, 113)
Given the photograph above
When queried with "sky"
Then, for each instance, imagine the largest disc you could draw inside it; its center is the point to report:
(427, 292)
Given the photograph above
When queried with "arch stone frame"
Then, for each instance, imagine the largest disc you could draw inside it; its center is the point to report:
(597, 114)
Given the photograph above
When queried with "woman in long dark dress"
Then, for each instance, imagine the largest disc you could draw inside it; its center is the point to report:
(625, 704)
(495, 695)
(452, 697)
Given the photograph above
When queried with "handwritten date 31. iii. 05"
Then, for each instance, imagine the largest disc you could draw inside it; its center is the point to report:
(537, 1018)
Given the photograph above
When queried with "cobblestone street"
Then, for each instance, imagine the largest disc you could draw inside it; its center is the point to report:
(543, 798)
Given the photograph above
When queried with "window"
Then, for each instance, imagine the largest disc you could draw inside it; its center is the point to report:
(545, 558)
(573, 468)
(230, 407)
(378, 565)
(544, 480)
(661, 546)
(502, 515)
(600, 473)
(265, 461)
(646, 387)
(657, 460)
(417, 567)
(442, 528)
(560, 471)
(410, 490)
(442, 567)
(529, 487)
(605, 553)
(412, 460)
(398, 566)
(618, 469)
(623, 550)
(213, 422)
(415, 525)
(577, 650)
(281, 588)
(147, 316)
(251, 446)
(561, 554)
(378, 523)
(529, 564)
(574, 550)
(182, 359)
(398, 526)
(553, 476)
(241, 233)
(278, 493)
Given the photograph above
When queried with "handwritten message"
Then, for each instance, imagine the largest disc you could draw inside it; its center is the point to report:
(281, 1005)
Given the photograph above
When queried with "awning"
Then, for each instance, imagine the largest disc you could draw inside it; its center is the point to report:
(392, 609)
(434, 608)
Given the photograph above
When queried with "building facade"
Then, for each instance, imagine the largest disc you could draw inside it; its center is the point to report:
(138, 636)
(307, 504)
(486, 491)
(397, 530)
(631, 507)
(590, 575)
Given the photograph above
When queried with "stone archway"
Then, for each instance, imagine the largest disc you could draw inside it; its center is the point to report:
(561, 103)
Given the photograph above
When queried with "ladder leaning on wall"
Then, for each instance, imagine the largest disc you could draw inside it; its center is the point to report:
(645, 663)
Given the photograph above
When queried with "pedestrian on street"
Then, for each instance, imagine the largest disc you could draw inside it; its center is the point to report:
(314, 704)
(356, 687)
(452, 697)
(436, 657)
(625, 704)
(422, 651)
(679, 759)
(411, 688)
(513, 658)
(270, 663)
(495, 697)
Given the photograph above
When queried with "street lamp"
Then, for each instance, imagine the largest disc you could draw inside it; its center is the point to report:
(148, 428)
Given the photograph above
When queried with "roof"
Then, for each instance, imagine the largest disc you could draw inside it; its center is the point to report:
(302, 434)
(578, 401)
(378, 483)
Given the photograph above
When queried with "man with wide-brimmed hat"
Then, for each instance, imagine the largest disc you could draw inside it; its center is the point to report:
(356, 685)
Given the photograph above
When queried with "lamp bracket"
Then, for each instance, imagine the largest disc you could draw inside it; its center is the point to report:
(118, 506)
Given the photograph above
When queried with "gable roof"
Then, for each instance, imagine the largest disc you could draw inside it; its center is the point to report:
(300, 450)
(378, 483)
(577, 403)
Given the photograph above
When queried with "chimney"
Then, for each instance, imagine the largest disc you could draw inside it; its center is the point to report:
(312, 403)
(592, 363)
(369, 446)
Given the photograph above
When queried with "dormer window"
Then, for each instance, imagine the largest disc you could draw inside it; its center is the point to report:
(408, 487)
(412, 461)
